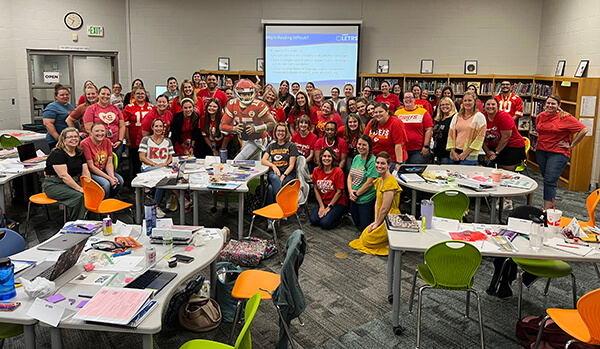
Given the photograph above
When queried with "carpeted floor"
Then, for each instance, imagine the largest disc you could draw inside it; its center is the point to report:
(346, 293)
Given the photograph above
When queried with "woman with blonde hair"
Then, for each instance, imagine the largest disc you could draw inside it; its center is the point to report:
(186, 90)
(467, 132)
(443, 116)
(91, 97)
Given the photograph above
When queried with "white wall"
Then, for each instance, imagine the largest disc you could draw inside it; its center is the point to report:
(570, 30)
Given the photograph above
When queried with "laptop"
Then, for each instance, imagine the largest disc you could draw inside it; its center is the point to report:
(52, 270)
(63, 242)
(412, 168)
(152, 279)
(28, 155)
(172, 180)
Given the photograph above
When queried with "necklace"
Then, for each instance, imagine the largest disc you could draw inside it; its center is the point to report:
(329, 145)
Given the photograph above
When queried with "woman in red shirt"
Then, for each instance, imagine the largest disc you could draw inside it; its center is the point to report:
(185, 128)
(388, 134)
(326, 114)
(555, 128)
(272, 99)
(300, 108)
(329, 185)
(350, 133)
(160, 112)
(187, 91)
(133, 114)
(390, 99)
(503, 144)
(331, 140)
(211, 130)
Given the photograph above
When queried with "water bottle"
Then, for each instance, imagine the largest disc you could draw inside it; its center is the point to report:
(167, 240)
(7, 279)
(150, 214)
(205, 290)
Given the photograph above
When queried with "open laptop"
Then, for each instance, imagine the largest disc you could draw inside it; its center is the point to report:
(173, 180)
(152, 279)
(412, 168)
(52, 270)
(28, 155)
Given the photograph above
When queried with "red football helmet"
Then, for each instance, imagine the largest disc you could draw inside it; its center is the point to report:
(245, 91)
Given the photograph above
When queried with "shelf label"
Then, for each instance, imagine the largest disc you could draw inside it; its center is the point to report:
(566, 84)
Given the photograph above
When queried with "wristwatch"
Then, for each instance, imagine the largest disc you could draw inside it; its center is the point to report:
(329, 206)
(426, 147)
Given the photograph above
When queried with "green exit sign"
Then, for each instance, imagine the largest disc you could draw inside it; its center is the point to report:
(95, 30)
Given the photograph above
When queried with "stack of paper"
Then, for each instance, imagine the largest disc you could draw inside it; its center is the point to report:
(115, 306)
(577, 249)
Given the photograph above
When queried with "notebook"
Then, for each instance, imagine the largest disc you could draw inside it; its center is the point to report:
(52, 270)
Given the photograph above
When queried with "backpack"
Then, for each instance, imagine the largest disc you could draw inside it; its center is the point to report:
(553, 337)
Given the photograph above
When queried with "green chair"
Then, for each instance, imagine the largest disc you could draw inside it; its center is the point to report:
(115, 161)
(243, 341)
(449, 265)
(451, 204)
(9, 141)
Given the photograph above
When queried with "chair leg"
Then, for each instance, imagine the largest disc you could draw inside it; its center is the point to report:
(419, 315)
(568, 344)
(277, 243)
(480, 316)
(64, 214)
(300, 320)
(597, 270)
(298, 218)
(574, 291)
(47, 212)
(547, 287)
(467, 305)
(29, 208)
(412, 292)
(251, 225)
(519, 304)
(539, 335)
(238, 312)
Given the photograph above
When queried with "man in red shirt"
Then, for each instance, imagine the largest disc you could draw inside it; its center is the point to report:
(211, 91)
(419, 128)
(510, 102)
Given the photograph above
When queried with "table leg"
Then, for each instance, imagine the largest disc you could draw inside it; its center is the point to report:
(147, 341)
(240, 215)
(398, 329)
(500, 209)
(29, 336)
(213, 279)
(477, 209)
(195, 208)
(493, 210)
(529, 199)
(2, 198)
(55, 338)
(182, 207)
(138, 205)
(390, 273)
(413, 203)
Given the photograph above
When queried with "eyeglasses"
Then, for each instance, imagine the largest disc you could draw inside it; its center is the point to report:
(71, 137)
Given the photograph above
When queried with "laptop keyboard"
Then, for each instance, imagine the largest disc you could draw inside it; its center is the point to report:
(46, 273)
(144, 280)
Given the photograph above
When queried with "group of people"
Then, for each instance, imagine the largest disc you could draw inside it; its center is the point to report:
(350, 145)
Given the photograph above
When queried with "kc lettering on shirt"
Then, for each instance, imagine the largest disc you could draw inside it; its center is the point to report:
(157, 153)
(325, 185)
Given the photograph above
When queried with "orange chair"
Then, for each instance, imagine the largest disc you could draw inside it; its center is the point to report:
(582, 323)
(285, 206)
(43, 199)
(94, 198)
(592, 202)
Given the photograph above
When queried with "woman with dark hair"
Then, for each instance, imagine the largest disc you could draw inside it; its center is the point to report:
(214, 139)
(286, 99)
(56, 114)
(361, 110)
(338, 104)
(187, 91)
(360, 183)
(437, 95)
(390, 99)
(301, 107)
(110, 116)
(160, 112)
(335, 143)
(196, 79)
(325, 115)
(351, 132)
(329, 188)
(397, 90)
(64, 166)
(310, 87)
(373, 239)
(185, 128)
(305, 141)
(129, 98)
(99, 155)
(448, 92)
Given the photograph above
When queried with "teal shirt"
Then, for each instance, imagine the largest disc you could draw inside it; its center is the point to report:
(359, 173)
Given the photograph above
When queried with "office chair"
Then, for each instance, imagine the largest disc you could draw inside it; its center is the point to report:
(94, 198)
(451, 204)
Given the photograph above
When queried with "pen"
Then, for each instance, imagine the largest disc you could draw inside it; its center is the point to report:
(84, 296)
(111, 279)
(109, 260)
(561, 245)
(121, 254)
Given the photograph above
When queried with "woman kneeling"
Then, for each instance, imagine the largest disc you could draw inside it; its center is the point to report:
(329, 191)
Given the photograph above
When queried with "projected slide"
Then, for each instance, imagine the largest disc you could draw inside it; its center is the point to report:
(325, 55)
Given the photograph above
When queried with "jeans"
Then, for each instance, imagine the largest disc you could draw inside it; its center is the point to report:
(443, 161)
(551, 165)
(363, 214)
(275, 185)
(464, 162)
(159, 193)
(415, 157)
(105, 184)
(331, 220)
(119, 151)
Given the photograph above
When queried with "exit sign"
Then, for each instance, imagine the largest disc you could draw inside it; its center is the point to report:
(95, 30)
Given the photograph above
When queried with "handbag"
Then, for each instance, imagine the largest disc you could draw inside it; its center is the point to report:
(180, 298)
(248, 252)
(200, 314)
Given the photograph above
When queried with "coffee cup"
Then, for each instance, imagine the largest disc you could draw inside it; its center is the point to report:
(554, 217)
(496, 175)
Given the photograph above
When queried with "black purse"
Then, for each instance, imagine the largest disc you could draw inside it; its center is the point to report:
(182, 297)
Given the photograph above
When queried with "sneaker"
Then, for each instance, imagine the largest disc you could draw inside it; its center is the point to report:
(172, 203)
(508, 205)
(269, 225)
(160, 213)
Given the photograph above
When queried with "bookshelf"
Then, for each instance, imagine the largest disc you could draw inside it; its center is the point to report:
(533, 90)
(234, 75)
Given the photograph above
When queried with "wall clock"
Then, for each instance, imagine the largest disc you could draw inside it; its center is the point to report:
(73, 20)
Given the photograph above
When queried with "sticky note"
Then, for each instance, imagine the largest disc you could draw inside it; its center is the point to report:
(89, 267)
(128, 280)
(56, 298)
(189, 248)
(81, 304)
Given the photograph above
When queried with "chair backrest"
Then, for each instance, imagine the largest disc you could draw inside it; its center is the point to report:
(287, 198)
(10, 242)
(92, 193)
(244, 341)
(9, 141)
(115, 161)
(450, 204)
(592, 203)
(588, 308)
(453, 264)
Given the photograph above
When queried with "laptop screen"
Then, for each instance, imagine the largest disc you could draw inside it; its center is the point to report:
(26, 152)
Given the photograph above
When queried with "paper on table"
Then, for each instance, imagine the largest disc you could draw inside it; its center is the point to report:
(561, 245)
(210, 233)
(122, 263)
(522, 226)
(445, 224)
(46, 312)
(114, 305)
(122, 228)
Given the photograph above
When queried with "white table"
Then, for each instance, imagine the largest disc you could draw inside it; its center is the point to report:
(420, 242)
(25, 136)
(10, 176)
(139, 196)
(203, 256)
(495, 194)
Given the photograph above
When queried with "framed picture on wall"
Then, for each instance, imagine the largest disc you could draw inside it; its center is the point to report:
(427, 66)
(383, 66)
(260, 64)
(560, 68)
(581, 68)
(224, 63)
(471, 67)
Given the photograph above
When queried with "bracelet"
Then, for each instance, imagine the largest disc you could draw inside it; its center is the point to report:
(329, 206)
(283, 174)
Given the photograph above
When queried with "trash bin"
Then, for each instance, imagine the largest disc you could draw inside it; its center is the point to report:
(227, 274)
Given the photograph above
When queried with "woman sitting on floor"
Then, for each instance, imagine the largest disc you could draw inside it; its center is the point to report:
(65, 164)
(373, 239)
(99, 155)
(329, 188)
(360, 183)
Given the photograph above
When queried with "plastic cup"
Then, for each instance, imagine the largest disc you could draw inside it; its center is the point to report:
(427, 212)
(223, 154)
(554, 217)
(496, 175)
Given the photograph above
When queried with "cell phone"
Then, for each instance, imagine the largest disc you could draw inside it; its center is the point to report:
(183, 258)
(9, 306)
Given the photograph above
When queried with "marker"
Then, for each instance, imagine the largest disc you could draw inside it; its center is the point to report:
(121, 254)
(561, 245)
(85, 296)
(109, 260)
(424, 218)
(18, 285)
(111, 279)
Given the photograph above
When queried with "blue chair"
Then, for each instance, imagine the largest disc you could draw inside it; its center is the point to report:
(10, 244)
